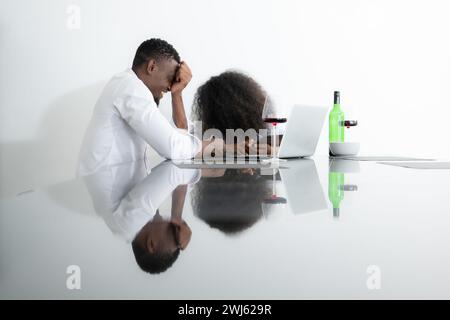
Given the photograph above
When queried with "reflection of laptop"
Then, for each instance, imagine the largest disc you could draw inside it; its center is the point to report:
(302, 133)
(303, 189)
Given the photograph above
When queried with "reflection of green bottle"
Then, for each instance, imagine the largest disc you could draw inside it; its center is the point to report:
(335, 190)
(336, 120)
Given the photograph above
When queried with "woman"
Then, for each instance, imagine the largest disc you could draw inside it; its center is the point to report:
(232, 100)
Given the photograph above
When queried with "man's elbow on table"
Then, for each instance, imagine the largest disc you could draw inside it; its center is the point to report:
(183, 147)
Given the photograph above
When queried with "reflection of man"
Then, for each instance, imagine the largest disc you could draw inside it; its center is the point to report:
(158, 244)
(126, 117)
(132, 211)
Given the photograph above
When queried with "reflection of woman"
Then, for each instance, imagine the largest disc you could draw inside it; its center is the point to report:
(133, 213)
(230, 201)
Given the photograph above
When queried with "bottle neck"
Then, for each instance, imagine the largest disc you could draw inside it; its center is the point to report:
(337, 106)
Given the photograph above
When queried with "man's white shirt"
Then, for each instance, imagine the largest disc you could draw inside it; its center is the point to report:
(125, 121)
(127, 198)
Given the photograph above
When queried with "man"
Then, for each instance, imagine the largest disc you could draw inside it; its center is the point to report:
(126, 118)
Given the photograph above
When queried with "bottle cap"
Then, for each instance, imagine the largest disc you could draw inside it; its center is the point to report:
(337, 97)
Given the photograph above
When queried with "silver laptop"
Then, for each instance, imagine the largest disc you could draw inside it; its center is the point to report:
(302, 132)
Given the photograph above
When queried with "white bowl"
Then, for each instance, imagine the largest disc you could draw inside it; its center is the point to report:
(344, 148)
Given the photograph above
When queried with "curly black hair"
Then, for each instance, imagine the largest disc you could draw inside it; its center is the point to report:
(231, 100)
(231, 203)
(154, 49)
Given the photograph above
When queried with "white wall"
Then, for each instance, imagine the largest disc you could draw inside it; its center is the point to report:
(389, 59)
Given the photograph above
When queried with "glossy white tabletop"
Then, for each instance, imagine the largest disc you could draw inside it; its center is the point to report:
(387, 237)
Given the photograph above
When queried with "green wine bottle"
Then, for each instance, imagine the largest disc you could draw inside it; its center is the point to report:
(336, 121)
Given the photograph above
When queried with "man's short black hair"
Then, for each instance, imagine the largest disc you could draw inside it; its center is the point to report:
(153, 262)
(154, 49)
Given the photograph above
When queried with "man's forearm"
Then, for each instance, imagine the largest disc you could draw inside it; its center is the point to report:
(178, 113)
(178, 197)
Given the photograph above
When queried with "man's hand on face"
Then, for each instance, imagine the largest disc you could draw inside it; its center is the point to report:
(182, 78)
(183, 233)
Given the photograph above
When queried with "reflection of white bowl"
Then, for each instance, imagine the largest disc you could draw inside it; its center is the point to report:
(344, 148)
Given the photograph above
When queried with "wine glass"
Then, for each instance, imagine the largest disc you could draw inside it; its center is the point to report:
(274, 113)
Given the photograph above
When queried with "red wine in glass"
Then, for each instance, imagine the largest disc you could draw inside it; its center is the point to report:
(274, 120)
(273, 112)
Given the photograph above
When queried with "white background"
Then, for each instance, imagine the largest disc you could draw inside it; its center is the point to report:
(389, 59)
